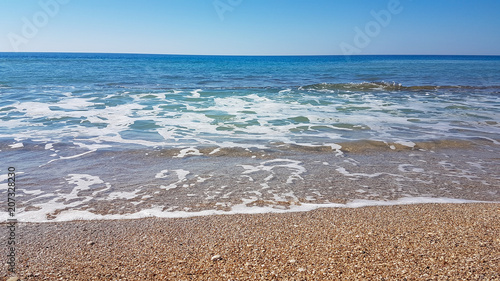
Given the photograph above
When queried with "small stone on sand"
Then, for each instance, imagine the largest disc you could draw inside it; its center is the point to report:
(216, 258)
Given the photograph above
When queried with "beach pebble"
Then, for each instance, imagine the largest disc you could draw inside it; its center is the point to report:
(13, 279)
(90, 243)
(216, 258)
(292, 261)
(301, 269)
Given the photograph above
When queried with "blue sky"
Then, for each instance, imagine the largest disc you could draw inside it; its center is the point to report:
(251, 27)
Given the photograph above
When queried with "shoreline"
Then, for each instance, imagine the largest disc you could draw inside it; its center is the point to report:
(164, 186)
(294, 207)
(416, 241)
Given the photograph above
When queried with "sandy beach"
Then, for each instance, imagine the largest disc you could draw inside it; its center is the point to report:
(409, 242)
(249, 140)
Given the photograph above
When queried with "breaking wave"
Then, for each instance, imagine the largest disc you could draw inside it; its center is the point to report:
(388, 86)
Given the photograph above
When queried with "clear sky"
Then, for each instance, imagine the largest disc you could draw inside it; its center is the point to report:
(252, 27)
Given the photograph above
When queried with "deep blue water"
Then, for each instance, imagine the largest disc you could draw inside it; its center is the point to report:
(179, 71)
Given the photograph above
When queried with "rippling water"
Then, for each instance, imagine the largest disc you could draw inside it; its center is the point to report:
(115, 136)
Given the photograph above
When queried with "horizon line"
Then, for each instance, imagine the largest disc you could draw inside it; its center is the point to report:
(247, 55)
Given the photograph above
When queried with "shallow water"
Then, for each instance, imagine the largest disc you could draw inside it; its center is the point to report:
(116, 136)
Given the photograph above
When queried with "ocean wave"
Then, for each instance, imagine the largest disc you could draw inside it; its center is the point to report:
(289, 87)
(389, 86)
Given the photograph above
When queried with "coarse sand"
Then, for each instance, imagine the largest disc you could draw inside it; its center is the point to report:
(412, 242)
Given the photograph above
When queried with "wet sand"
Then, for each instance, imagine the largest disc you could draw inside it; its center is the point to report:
(416, 242)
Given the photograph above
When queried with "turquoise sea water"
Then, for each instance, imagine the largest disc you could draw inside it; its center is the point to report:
(117, 134)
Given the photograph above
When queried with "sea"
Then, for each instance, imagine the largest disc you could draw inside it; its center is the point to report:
(123, 136)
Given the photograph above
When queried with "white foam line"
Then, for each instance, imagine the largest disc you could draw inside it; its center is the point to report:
(200, 179)
(403, 168)
(123, 195)
(406, 143)
(92, 147)
(168, 187)
(4, 177)
(344, 172)
(237, 209)
(215, 151)
(68, 157)
(490, 139)
(162, 174)
(16, 145)
(188, 151)
(196, 93)
(336, 147)
(33, 192)
(82, 182)
(181, 176)
(108, 186)
(167, 133)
